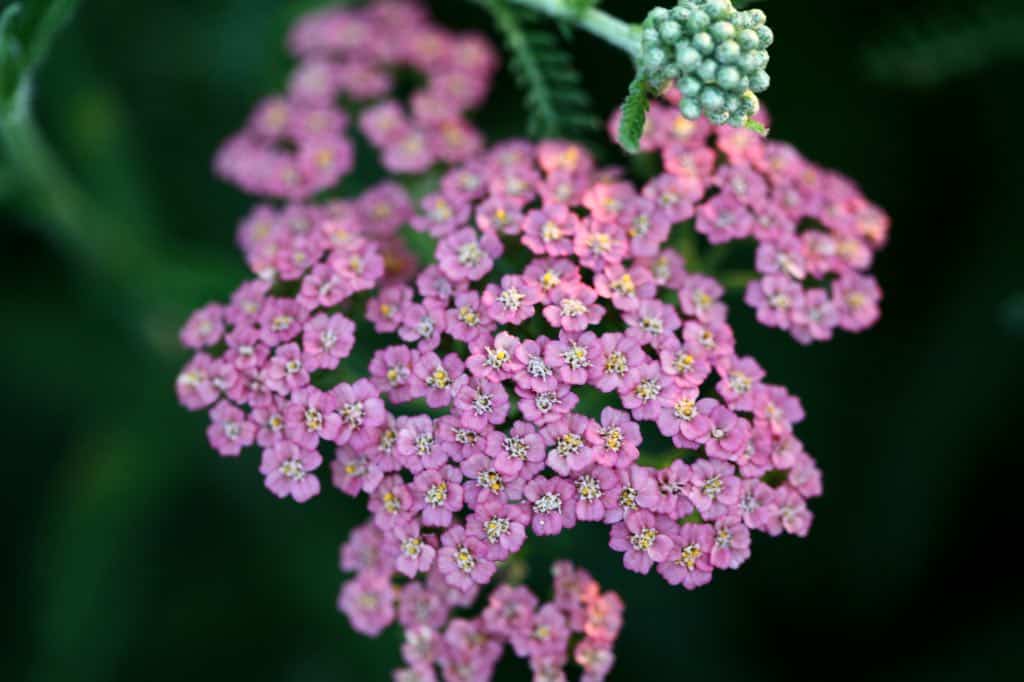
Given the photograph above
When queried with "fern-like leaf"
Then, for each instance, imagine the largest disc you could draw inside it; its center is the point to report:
(634, 115)
(554, 98)
(936, 50)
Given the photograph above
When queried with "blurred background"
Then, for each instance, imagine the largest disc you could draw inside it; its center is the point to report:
(136, 553)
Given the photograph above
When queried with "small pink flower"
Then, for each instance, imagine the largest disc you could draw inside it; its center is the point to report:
(194, 385)
(594, 492)
(651, 322)
(616, 440)
(636, 489)
(287, 370)
(416, 554)
(617, 357)
(519, 451)
(715, 488)
(467, 255)
(570, 356)
(553, 502)
(774, 297)
(361, 410)
(369, 602)
(391, 372)
(311, 417)
(599, 244)
(645, 539)
(494, 359)
(856, 298)
(437, 494)
(326, 340)
(387, 309)
(229, 430)
(625, 287)
(438, 378)
(546, 406)
(204, 327)
(479, 403)
(550, 230)
(502, 526)
(573, 308)
(732, 543)
(511, 302)
(462, 559)
(689, 564)
(568, 449)
(288, 471)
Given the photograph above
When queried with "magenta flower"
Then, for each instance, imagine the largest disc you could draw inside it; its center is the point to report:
(437, 494)
(729, 433)
(681, 417)
(311, 417)
(775, 297)
(573, 308)
(732, 543)
(502, 526)
(533, 373)
(416, 554)
(856, 298)
(287, 371)
(642, 392)
(550, 230)
(715, 487)
(204, 327)
(739, 378)
(570, 356)
(485, 482)
(545, 407)
(467, 255)
(417, 446)
(391, 502)
(361, 409)
(689, 564)
(617, 357)
(673, 486)
(815, 318)
(554, 504)
(595, 493)
(387, 309)
(326, 340)
(462, 559)
(651, 323)
(423, 323)
(437, 378)
(512, 301)
(391, 372)
(229, 430)
(645, 539)
(509, 609)
(547, 635)
(494, 360)
(368, 600)
(625, 287)
(568, 450)
(517, 453)
(194, 386)
(685, 362)
(549, 275)
(467, 320)
(615, 441)
(288, 471)
(598, 244)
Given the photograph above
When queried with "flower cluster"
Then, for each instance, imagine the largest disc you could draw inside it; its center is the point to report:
(580, 620)
(296, 144)
(716, 55)
(534, 352)
(816, 234)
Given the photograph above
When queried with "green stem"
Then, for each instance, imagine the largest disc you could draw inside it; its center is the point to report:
(611, 29)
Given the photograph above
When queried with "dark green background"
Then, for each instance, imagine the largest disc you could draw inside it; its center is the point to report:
(135, 553)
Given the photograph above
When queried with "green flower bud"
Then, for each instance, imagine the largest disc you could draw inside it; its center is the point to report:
(728, 52)
(719, 9)
(765, 35)
(756, 17)
(688, 59)
(654, 58)
(751, 105)
(698, 21)
(711, 100)
(707, 70)
(748, 40)
(759, 80)
(670, 31)
(728, 77)
(680, 13)
(690, 109)
(658, 14)
(722, 30)
(690, 86)
(703, 43)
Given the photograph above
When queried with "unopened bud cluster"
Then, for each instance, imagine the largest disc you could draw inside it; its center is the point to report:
(716, 54)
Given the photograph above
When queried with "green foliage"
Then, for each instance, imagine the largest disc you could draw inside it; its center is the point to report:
(556, 103)
(26, 34)
(932, 51)
(634, 114)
